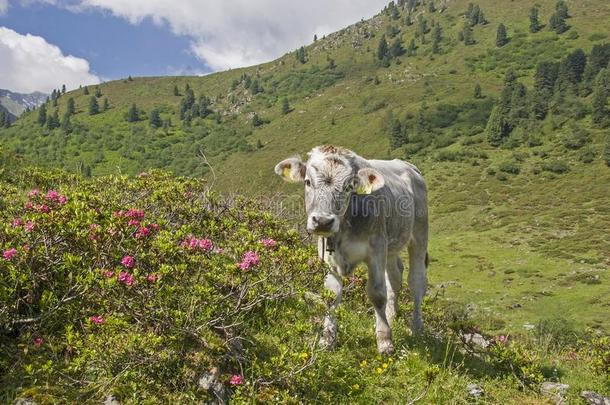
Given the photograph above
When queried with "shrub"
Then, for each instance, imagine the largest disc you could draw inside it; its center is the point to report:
(587, 155)
(138, 286)
(576, 138)
(509, 167)
(556, 166)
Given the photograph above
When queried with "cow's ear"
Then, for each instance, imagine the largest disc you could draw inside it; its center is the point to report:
(292, 170)
(369, 180)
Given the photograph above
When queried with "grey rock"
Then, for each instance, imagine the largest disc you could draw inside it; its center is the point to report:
(476, 339)
(209, 382)
(24, 401)
(593, 398)
(474, 390)
(111, 400)
(554, 391)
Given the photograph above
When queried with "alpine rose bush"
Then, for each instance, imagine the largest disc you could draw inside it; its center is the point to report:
(109, 275)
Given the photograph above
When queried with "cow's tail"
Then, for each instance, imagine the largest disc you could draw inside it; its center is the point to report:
(427, 262)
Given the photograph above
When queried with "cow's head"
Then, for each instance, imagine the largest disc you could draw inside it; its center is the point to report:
(331, 177)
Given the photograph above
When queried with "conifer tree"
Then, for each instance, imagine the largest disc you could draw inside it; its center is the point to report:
(63, 89)
(477, 91)
(600, 115)
(468, 35)
(176, 91)
(71, 106)
(94, 107)
(6, 122)
(132, 114)
(431, 7)
(98, 92)
(106, 104)
(557, 23)
(534, 21)
(66, 124)
(3, 119)
(285, 106)
(501, 36)
(53, 121)
(382, 48)
(86, 91)
(155, 118)
(42, 114)
(412, 48)
(436, 39)
(396, 49)
(561, 9)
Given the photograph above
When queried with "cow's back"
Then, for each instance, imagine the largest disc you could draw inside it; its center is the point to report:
(406, 187)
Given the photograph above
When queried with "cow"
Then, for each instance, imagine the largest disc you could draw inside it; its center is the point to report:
(365, 211)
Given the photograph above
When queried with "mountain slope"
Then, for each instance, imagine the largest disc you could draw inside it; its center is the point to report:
(17, 103)
(492, 226)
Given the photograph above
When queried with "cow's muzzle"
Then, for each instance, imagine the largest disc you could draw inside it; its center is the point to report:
(322, 225)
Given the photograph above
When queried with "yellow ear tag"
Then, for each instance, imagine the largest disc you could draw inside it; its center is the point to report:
(364, 189)
(286, 172)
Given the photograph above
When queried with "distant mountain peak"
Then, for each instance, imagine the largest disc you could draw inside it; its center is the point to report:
(17, 103)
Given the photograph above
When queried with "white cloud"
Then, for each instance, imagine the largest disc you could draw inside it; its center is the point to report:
(3, 6)
(30, 63)
(234, 33)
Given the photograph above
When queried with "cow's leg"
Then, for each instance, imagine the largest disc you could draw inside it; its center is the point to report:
(393, 282)
(417, 281)
(376, 290)
(333, 283)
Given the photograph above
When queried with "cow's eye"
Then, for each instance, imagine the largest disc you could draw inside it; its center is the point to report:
(307, 183)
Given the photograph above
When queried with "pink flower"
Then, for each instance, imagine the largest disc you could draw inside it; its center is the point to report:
(152, 278)
(154, 227)
(502, 339)
(33, 193)
(236, 379)
(29, 205)
(52, 195)
(219, 250)
(38, 341)
(128, 261)
(143, 232)
(108, 273)
(62, 199)
(269, 243)
(9, 254)
(17, 222)
(43, 208)
(126, 278)
(135, 214)
(97, 319)
(205, 244)
(249, 259)
(133, 222)
(29, 226)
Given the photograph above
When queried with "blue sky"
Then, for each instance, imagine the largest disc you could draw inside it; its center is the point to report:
(46, 43)
(114, 47)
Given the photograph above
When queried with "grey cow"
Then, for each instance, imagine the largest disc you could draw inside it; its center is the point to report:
(365, 211)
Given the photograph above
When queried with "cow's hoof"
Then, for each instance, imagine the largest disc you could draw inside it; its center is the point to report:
(385, 346)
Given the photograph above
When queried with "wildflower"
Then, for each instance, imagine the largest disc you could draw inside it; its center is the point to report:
(17, 222)
(52, 195)
(502, 339)
(152, 278)
(108, 273)
(219, 250)
(126, 278)
(9, 253)
(363, 364)
(33, 193)
(135, 214)
(128, 261)
(269, 243)
(62, 200)
(29, 226)
(356, 386)
(29, 205)
(236, 379)
(304, 356)
(43, 208)
(142, 232)
(97, 319)
(133, 222)
(205, 244)
(249, 259)
(379, 370)
(38, 341)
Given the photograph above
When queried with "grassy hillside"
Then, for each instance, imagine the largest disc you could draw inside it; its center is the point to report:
(155, 290)
(519, 227)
